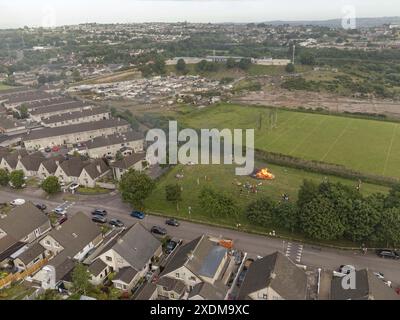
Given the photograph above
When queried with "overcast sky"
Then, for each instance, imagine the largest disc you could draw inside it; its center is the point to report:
(17, 13)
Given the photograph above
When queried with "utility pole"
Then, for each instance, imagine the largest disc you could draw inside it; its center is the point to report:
(294, 50)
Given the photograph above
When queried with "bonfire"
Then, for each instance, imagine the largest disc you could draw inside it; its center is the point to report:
(264, 174)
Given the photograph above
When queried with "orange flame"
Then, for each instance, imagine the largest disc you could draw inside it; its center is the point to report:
(264, 174)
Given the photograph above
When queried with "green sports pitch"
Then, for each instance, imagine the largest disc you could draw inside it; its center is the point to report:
(364, 145)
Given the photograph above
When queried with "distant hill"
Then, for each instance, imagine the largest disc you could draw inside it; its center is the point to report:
(361, 22)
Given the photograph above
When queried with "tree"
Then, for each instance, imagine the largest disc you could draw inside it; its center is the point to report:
(286, 215)
(230, 63)
(388, 229)
(260, 211)
(51, 185)
(17, 179)
(307, 58)
(290, 68)
(307, 192)
(135, 187)
(181, 66)
(23, 112)
(319, 220)
(76, 75)
(217, 204)
(80, 279)
(244, 64)
(393, 198)
(119, 156)
(174, 194)
(362, 221)
(4, 177)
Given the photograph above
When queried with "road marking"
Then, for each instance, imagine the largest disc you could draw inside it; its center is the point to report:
(336, 140)
(390, 149)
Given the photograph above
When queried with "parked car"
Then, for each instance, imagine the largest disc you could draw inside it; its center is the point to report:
(99, 212)
(172, 222)
(41, 206)
(379, 275)
(73, 186)
(159, 230)
(17, 202)
(116, 223)
(47, 149)
(55, 149)
(62, 219)
(138, 214)
(391, 254)
(60, 211)
(171, 245)
(99, 219)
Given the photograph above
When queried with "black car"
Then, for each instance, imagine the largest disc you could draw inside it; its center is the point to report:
(99, 219)
(116, 223)
(41, 206)
(159, 230)
(172, 222)
(171, 245)
(99, 212)
(48, 149)
(391, 254)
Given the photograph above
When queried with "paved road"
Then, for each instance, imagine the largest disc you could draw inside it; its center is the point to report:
(312, 256)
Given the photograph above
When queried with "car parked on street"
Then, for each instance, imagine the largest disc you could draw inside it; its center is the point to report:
(116, 223)
(99, 212)
(47, 149)
(172, 222)
(171, 245)
(159, 230)
(62, 219)
(18, 202)
(99, 219)
(138, 214)
(73, 187)
(391, 254)
(41, 206)
(60, 211)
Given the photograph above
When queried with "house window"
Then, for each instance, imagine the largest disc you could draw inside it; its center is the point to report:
(56, 245)
(265, 296)
(108, 258)
(177, 275)
(48, 242)
(192, 278)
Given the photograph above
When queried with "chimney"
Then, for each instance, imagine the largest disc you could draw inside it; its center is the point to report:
(98, 168)
(19, 157)
(57, 163)
(273, 275)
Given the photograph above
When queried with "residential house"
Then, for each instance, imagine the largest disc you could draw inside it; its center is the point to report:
(368, 287)
(136, 161)
(69, 243)
(9, 161)
(28, 256)
(57, 109)
(49, 167)
(39, 139)
(82, 116)
(23, 225)
(130, 256)
(30, 164)
(99, 270)
(92, 172)
(9, 126)
(274, 277)
(104, 146)
(70, 170)
(199, 261)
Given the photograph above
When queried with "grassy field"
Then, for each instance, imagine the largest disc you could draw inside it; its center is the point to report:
(223, 178)
(363, 145)
(4, 87)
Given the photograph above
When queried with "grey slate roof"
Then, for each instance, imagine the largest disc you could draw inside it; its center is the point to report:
(181, 256)
(96, 267)
(126, 275)
(76, 128)
(279, 273)
(75, 115)
(171, 284)
(34, 251)
(368, 287)
(51, 164)
(60, 107)
(129, 161)
(32, 162)
(93, 171)
(207, 291)
(76, 233)
(7, 123)
(12, 158)
(117, 138)
(22, 220)
(73, 167)
(136, 245)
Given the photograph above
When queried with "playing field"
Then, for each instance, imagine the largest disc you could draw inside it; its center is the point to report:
(363, 145)
(223, 179)
(4, 87)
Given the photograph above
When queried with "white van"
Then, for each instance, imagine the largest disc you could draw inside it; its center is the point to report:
(17, 202)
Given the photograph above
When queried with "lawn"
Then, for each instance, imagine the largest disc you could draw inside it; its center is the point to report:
(4, 87)
(368, 146)
(223, 178)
